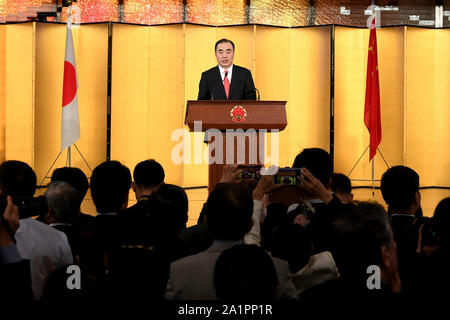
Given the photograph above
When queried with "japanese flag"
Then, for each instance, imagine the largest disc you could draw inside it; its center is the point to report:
(70, 128)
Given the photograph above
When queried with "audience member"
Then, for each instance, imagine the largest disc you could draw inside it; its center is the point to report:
(365, 253)
(291, 240)
(45, 247)
(400, 190)
(433, 262)
(245, 273)
(73, 176)
(77, 179)
(15, 277)
(318, 162)
(64, 211)
(198, 238)
(342, 187)
(147, 176)
(441, 223)
(314, 189)
(229, 218)
(110, 187)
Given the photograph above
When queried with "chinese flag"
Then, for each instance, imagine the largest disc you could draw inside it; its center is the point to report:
(372, 117)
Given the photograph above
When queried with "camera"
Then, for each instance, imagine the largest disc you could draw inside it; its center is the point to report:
(28, 206)
(250, 172)
(287, 176)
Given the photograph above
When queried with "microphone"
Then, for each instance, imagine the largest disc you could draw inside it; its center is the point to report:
(212, 92)
(259, 96)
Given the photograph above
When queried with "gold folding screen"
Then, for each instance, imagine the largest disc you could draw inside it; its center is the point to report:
(414, 66)
(91, 55)
(427, 115)
(2, 91)
(147, 94)
(351, 135)
(155, 72)
(18, 70)
(156, 69)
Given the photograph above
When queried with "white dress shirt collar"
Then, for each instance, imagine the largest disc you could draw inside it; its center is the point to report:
(222, 73)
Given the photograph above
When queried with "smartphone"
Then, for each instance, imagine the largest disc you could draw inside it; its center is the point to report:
(287, 176)
(250, 172)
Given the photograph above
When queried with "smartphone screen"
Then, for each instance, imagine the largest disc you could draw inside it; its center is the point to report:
(250, 172)
(287, 176)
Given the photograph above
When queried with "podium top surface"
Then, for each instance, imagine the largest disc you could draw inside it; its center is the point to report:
(236, 114)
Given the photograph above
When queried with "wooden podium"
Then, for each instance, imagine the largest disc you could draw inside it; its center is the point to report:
(240, 125)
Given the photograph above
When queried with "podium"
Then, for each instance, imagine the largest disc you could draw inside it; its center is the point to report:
(237, 130)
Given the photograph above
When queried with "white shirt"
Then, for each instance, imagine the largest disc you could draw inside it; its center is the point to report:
(47, 249)
(320, 268)
(230, 73)
(254, 235)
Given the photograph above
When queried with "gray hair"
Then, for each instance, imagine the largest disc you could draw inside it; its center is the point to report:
(63, 202)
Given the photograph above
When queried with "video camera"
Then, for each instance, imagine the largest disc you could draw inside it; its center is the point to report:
(28, 206)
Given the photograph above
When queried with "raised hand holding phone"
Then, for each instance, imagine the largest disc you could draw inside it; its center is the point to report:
(313, 186)
(230, 173)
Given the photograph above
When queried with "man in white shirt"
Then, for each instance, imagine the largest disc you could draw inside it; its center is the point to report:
(46, 248)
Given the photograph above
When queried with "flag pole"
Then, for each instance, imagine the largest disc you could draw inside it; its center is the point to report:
(68, 156)
(373, 177)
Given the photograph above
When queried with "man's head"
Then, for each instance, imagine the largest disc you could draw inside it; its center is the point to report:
(63, 202)
(400, 189)
(441, 221)
(342, 187)
(224, 49)
(318, 162)
(229, 210)
(147, 175)
(17, 179)
(110, 185)
(73, 176)
(362, 237)
(169, 206)
(245, 272)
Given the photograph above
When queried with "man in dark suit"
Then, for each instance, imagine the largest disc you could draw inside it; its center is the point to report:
(226, 81)
(400, 190)
(365, 254)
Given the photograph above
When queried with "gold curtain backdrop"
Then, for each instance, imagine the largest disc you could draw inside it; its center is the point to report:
(156, 69)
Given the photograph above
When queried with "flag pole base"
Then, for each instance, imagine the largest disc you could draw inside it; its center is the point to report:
(68, 162)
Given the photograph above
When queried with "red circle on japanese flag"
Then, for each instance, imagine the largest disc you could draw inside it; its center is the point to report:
(69, 84)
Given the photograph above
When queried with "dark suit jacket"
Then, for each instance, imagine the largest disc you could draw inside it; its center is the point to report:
(15, 280)
(241, 87)
(405, 235)
(345, 298)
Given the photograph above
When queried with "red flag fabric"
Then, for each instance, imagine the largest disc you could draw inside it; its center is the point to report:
(70, 126)
(372, 114)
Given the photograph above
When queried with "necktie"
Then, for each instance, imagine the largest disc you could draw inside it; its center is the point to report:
(226, 84)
